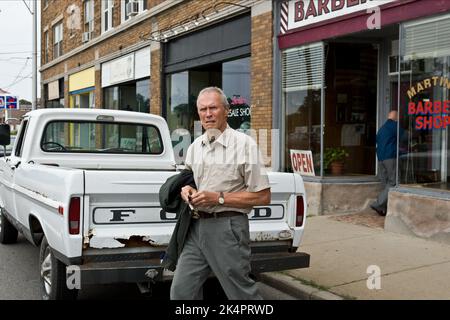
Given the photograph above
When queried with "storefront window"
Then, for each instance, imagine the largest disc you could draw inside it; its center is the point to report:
(425, 104)
(236, 86)
(303, 124)
(82, 100)
(133, 96)
(111, 98)
(183, 88)
(302, 83)
(143, 96)
(336, 81)
(54, 102)
(179, 114)
(350, 109)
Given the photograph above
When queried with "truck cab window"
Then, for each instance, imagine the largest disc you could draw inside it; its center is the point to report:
(101, 137)
(19, 147)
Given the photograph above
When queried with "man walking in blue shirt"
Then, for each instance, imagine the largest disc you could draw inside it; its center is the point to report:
(387, 160)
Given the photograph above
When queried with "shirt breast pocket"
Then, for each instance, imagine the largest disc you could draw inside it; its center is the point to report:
(233, 173)
(228, 173)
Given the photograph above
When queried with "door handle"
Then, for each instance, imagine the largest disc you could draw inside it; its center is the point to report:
(15, 166)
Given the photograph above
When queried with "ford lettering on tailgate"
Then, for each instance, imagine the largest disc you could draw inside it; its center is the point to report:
(140, 215)
(134, 215)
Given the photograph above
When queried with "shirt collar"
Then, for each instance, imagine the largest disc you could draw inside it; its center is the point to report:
(222, 139)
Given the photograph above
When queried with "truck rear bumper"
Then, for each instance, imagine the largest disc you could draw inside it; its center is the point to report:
(149, 270)
(121, 272)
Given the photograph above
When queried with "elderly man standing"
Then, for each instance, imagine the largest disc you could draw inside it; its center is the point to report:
(230, 180)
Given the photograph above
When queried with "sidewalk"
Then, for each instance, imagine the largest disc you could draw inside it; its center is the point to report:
(341, 252)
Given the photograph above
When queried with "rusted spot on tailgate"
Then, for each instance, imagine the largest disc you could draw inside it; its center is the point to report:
(270, 236)
(138, 241)
(134, 241)
(264, 236)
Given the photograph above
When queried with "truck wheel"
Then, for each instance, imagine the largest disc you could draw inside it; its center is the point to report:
(8, 233)
(53, 276)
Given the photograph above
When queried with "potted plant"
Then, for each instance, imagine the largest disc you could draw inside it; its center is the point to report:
(334, 159)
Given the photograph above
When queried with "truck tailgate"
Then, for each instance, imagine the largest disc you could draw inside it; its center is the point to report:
(124, 210)
(124, 206)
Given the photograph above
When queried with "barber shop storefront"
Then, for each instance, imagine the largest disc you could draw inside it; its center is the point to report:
(344, 65)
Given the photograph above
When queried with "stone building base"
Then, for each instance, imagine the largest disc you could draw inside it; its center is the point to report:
(339, 197)
(412, 212)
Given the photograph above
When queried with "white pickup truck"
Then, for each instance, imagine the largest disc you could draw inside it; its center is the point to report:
(83, 185)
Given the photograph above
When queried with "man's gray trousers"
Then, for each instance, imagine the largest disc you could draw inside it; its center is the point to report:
(220, 245)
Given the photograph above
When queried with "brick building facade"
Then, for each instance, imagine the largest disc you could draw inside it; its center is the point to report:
(145, 52)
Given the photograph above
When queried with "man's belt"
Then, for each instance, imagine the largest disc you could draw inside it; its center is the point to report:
(207, 215)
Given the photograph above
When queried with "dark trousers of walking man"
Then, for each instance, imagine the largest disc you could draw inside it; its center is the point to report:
(387, 174)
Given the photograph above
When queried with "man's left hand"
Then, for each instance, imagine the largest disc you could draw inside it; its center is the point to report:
(205, 199)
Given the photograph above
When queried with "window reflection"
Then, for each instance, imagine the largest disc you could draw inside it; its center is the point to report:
(424, 153)
(133, 96)
(303, 124)
(179, 113)
(236, 86)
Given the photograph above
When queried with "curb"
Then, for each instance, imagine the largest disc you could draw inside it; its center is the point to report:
(295, 288)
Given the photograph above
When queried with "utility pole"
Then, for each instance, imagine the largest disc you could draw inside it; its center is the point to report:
(34, 60)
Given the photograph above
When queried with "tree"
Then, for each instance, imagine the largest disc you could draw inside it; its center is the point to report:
(23, 101)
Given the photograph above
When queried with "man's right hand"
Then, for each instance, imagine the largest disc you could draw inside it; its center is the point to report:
(187, 192)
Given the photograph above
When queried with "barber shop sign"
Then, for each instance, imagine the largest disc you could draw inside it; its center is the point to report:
(429, 114)
(301, 13)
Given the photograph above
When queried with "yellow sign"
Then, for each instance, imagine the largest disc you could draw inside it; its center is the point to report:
(82, 79)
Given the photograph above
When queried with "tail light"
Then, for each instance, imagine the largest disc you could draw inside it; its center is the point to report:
(300, 212)
(74, 216)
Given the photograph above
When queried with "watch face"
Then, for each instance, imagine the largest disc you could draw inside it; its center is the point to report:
(221, 200)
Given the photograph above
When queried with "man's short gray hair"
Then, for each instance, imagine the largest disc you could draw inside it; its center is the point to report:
(217, 90)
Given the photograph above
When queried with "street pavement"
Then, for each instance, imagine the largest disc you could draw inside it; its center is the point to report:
(19, 274)
(346, 252)
(346, 259)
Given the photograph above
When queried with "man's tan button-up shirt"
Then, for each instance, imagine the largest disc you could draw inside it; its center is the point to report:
(230, 163)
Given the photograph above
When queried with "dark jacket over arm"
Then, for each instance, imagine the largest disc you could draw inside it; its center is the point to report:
(171, 201)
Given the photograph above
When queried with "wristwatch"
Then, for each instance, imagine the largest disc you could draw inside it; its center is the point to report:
(221, 198)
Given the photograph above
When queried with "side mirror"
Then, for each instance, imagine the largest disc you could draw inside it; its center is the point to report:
(5, 135)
